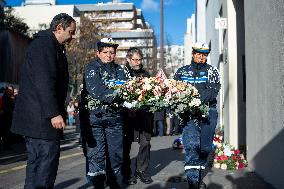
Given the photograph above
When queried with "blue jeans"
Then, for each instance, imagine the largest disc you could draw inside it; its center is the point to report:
(70, 120)
(197, 138)
(104, 153)
(160, 124)
(42, 164)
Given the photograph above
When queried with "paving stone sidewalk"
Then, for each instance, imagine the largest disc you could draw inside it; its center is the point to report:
(166, 167)
(167, 171)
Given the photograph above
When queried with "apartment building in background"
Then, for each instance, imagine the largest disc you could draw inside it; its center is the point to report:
(189, 39)
(122, 21)
(173, 59)
(37, 14)
(126, 25)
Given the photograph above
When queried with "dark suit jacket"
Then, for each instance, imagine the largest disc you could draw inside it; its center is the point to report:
(43, 88)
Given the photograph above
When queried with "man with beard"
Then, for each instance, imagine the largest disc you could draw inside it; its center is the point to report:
(40, 106)
(138, 126)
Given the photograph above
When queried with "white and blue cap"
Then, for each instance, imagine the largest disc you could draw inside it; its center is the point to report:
(107, 42)
(201, 47)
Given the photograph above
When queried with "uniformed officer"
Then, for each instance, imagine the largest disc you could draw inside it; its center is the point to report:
(197, 136)
(103, 130)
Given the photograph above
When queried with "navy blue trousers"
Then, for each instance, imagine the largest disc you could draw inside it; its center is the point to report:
(105, 155)
(197, 138)
(42, 164)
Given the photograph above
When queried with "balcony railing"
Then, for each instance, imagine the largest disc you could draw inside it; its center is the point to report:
(110, 15)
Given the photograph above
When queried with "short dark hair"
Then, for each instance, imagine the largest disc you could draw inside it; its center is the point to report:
(132, 51)
(64, 19)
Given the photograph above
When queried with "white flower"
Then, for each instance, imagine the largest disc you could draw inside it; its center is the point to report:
(223, 166)
(217, 165)
(220, 153)
(219, 145)
(147, 87)
(195, 102)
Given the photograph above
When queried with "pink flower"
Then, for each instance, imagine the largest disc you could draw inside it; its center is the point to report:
(224, 158)
(236, 152)
(241, 165)
(219, 158)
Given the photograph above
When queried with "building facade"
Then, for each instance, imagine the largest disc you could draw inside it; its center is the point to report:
(126, 25)
(122, 21)
(37, 14)
(248, 50)
(173, 59)
(189, 39)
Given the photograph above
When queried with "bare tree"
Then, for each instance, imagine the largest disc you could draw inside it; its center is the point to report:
(9, 20)
(81, 51)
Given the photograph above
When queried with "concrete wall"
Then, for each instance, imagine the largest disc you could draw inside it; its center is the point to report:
(200, 20)
(212, 34)
(241, 73)
(225, 79)
(264, 31)
(219, 58)
(12, 51)
(213, 38)
(228, 54)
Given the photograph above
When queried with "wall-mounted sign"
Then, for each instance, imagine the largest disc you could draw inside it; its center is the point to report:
(221, 23)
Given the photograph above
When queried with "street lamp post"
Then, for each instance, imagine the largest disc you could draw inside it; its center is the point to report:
(162, 34)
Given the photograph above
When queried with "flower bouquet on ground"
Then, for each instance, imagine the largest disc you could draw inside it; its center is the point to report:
(226, 156)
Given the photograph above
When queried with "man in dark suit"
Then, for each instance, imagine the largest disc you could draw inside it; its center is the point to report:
(39, 110)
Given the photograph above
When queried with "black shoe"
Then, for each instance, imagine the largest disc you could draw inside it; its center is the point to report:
(129, 181)
(202, 185)
(196, 185)
(99, 181)
(143, 177)
(193, 185)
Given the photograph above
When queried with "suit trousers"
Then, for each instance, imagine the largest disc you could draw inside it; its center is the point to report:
(143, 156)
(142, 159)
(42, 164)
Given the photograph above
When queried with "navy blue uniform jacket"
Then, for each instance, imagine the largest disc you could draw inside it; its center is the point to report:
(97, 80)
(43, 88)
(204, 77)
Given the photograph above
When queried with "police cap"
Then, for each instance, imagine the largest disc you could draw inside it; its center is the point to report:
(201, 48)
(106, 42)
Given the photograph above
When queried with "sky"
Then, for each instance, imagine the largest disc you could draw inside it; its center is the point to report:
(175, 14)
